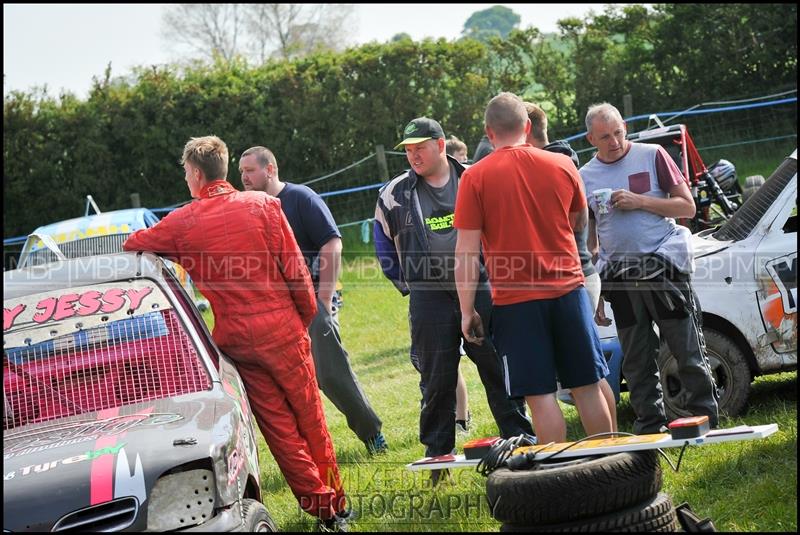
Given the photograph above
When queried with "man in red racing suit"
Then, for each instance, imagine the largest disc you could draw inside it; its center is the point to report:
(239, 249)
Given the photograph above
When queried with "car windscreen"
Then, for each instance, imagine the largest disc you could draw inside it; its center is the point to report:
(86, 349)
(745, 219)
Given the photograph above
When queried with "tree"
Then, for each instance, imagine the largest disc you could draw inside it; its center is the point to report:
(210, 30)
(497, 21)
(294, 30)
(400, 36)
(728, 50)
(613, 56)
(257, 31)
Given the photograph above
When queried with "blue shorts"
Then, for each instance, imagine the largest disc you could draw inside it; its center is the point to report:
(539, 341)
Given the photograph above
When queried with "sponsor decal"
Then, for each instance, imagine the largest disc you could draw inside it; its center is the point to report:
(783, 271)
(44, 467)
(65, 306)
(234, 389)
(127, 483)
(45, 316)
(779, 303)
(81, 432)
(235, 460)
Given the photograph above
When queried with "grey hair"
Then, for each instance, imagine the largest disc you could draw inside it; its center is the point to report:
(604, 110)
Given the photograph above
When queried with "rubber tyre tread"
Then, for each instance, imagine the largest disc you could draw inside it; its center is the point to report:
(655, 515)
(751, 185)
(556, 494)
(739, 378)
(754, 181)
(254, 513)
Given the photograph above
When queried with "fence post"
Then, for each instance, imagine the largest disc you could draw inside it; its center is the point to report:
(383, 168)
(627, 105)
(136, 201)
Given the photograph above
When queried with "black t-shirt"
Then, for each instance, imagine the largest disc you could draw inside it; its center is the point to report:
(311, 221)
(438, 205)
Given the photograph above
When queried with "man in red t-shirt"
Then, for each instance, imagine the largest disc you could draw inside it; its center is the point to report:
(524, 204)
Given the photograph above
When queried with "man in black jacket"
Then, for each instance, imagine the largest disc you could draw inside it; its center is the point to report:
(415, 242)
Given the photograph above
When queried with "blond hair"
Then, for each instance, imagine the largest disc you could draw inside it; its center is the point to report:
(538, 121)
(209, 154)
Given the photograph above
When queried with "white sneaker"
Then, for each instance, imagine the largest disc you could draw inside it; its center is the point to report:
(565, 396)
(462, 426)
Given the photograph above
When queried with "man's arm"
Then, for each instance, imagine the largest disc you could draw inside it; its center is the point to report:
(592, 243)
(160, 238)
(579, 219)
(295, 272)
(468, 247)
(678, 204)
(670, 179)
(386, 252)
(330, 264)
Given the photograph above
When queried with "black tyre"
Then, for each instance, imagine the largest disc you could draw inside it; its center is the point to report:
(729, 367)
(567, 491)
(751, 185)
(657, 514)
(256, 518)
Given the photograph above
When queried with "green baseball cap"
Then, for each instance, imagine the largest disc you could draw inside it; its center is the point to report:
(419, 130)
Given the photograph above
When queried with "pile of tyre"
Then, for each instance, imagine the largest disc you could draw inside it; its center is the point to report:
(617, 492)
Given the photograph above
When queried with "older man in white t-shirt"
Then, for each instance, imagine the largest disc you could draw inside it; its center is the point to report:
(645, 261)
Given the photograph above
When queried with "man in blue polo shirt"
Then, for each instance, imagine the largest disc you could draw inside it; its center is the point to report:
(321, 243)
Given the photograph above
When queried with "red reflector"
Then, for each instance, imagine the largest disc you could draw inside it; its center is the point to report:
(477, 448)
(690, 427)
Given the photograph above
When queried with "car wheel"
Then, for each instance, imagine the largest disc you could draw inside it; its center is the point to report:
(256, 518)
(654, 515)
(567, 491)
(730, 370)
(751, 185)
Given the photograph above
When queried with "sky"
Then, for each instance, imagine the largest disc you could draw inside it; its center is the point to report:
(64, 46)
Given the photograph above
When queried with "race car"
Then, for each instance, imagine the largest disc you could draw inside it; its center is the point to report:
(120, 412)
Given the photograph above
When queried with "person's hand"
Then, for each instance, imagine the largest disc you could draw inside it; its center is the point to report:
(623, 199)
(472, 327)
(600, 314)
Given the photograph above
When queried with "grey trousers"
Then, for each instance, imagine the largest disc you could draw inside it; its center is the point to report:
(335, 375)
(635, 308)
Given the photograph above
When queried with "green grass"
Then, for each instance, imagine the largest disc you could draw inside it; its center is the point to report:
(742, 486)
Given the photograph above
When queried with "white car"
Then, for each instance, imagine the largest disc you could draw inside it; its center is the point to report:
(746, 282)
